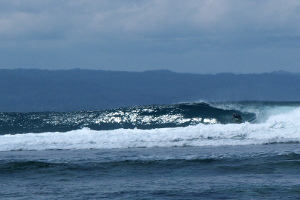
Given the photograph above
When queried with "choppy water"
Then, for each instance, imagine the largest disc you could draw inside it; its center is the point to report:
(181, 151)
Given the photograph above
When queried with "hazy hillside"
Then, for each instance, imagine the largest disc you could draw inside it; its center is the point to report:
(66, 90)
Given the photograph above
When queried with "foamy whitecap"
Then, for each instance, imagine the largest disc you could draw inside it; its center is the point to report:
(283, 127)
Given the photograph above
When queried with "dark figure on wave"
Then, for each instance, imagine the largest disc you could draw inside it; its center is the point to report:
(237, 118)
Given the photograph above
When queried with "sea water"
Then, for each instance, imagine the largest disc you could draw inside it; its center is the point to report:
(180, 151)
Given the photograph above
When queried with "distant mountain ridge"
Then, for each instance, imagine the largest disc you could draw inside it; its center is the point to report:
(283, 72)
(34, 90)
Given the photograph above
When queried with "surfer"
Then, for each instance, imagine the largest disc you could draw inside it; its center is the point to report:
(237, 118)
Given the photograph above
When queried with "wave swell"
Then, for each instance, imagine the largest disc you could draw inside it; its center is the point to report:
(142, 117)
(181, 125)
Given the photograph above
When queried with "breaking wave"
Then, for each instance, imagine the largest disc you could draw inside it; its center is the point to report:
(181, 125)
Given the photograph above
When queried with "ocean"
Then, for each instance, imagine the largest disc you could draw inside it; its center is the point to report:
(177, 151)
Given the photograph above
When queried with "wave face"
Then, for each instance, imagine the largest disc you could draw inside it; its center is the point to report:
(143, 117)
(179, 125)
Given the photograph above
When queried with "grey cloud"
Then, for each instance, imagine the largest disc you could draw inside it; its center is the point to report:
(148, 17)
(149, 28)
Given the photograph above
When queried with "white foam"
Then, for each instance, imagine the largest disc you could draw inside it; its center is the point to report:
(283, 127)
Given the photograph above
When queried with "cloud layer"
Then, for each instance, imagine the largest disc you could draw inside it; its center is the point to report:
(110, 34)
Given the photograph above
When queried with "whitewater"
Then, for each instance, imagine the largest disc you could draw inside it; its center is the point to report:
(178, 151)
(276, 124)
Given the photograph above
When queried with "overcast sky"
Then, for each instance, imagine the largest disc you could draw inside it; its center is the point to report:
(197, 36)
